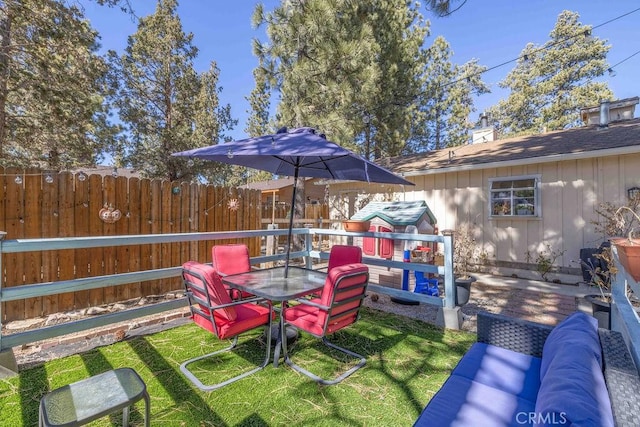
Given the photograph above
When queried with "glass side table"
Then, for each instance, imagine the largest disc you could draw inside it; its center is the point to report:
(81, 402)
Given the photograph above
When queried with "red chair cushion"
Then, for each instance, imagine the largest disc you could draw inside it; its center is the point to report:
(248, 316)
(313, 319)
(343, 254)
(337, 274)
(217, 292)
(231, 259)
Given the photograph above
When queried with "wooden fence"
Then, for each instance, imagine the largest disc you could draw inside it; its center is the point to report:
(37, 204)
(312, 212)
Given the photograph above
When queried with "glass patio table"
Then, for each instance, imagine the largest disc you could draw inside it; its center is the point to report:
(271, 284)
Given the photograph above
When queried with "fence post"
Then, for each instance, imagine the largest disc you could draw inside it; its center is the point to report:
(271, 244)
(450, 315)
(308, 240)
(8, 364)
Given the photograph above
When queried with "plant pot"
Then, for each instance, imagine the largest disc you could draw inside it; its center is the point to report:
(356, 225)
(601, 309)
(629, 255)
(463, 290)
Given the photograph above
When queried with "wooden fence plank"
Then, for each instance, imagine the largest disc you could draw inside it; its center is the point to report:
(146, 213)
(33, 183)
(66, 258)
(121, 228)
(96, 255)
(3, 227)
(132, 216)
(50, 228)
(194, 219)
(82, 228)
(156, 228)
(109, 229)
(14, 263)
(175, 222)
(185, 227)
(166, 227)
(210, 212)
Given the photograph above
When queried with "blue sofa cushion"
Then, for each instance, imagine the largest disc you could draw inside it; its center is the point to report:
(506, 370)
(577, 330)
(572, 384)
(462, 402)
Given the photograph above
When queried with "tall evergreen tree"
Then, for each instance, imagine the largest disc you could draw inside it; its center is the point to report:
(52, 113)
(444, 105)
(550, 83)
(259, 122)
(348, 68)
(166, 105)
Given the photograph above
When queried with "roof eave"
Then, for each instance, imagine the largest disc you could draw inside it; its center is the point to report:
(630, 149)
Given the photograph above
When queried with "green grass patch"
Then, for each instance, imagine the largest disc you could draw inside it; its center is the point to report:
(407, 362)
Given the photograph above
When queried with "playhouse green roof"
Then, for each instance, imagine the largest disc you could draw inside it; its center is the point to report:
(396, 213)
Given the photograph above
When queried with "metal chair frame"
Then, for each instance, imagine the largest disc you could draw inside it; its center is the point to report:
(329, 309)
(195, 303)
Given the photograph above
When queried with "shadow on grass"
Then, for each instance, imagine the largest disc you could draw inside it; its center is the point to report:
(172, 381)
(96, 363)
(33, 385)
(396, 355)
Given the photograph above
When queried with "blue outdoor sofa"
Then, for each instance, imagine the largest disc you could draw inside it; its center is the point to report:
(521, 373)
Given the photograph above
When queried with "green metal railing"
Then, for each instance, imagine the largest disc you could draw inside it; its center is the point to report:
(82, 284)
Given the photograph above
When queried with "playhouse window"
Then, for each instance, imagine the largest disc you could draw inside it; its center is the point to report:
(516, 197)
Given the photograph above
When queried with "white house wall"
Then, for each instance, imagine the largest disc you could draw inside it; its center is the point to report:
(569, 193)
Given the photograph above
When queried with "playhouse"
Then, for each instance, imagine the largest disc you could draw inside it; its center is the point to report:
(392, 217)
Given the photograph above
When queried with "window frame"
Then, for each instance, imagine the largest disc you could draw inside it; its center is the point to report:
(509, 197)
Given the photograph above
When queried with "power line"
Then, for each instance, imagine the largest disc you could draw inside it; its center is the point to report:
(545, 47)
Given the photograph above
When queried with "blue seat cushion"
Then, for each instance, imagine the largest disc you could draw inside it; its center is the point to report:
(462, 402)
(506, 370)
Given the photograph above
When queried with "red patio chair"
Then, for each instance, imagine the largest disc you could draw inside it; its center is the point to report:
(337, 307)
(232, 259)
(343, 254)
(212, 309)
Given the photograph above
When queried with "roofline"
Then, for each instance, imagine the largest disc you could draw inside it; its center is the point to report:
(630, 149)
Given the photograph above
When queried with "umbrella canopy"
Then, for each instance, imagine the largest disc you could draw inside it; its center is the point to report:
(297, 152)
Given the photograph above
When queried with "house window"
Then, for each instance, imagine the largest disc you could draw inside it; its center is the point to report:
(517, 197)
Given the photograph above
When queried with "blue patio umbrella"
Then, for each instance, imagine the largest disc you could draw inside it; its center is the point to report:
(297, 152)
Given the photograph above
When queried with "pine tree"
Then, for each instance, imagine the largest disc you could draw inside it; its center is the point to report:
(445, 102)
(347, 68)
(52, 111)
(166, 105)
(550, 83)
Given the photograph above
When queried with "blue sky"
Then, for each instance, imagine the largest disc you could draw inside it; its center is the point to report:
(493, 32)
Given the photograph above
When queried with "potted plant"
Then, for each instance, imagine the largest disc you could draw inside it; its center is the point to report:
(464, 250)
(621, 225)
(600, 268)
(628, 247)
(613, 221)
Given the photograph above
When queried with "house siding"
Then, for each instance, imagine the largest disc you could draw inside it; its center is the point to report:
(570, 191)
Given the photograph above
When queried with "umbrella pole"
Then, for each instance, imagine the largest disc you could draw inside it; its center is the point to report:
(293, 206)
